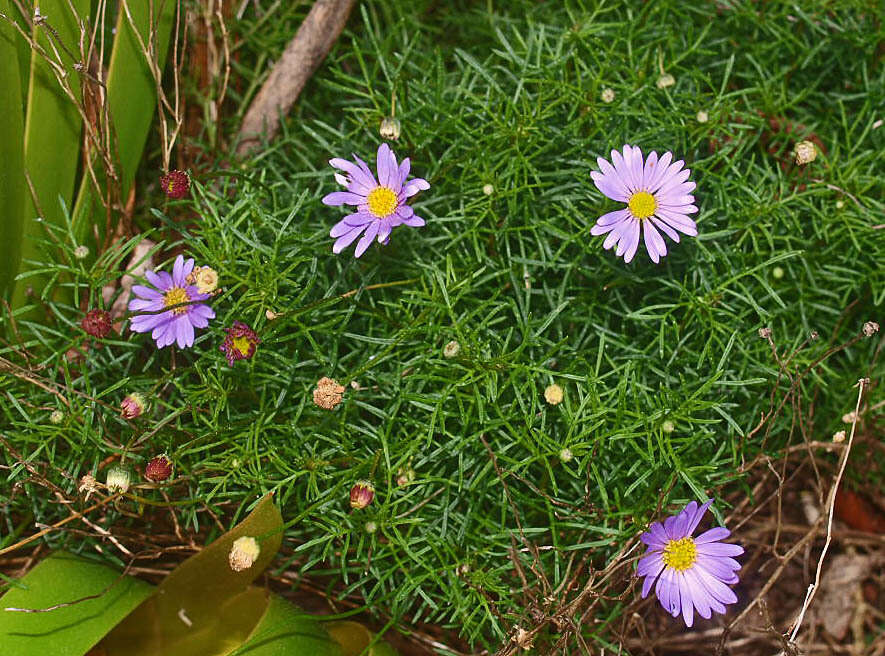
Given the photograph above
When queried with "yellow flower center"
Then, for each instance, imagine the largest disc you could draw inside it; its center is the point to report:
(241, 344)
(680, 554)
(642, 204)
(382, 201)
(176, 296)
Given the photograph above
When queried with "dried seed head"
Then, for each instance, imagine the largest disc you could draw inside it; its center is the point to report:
(805, 152)
(666, 80)
(361, 494)
(96, 323)
(328, 393)
(488, 189)
(390, 128)
(81, 252)
(451, 350)
(158, 469)
(702, 116)
(566, 455)
(88, 484)
(175, 184)
(849, 417)
(117, 479)
(765, 332)
(56, 416)
(668, 426)
(839, 436)
(133, 406)
(608, 95)
(553, 394)
(206, 280)
(243, 553)
(870, 328)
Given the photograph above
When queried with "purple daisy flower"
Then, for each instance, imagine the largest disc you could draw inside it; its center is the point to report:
(658, 197)
(689, 572)
(381, 203)
(186, 311)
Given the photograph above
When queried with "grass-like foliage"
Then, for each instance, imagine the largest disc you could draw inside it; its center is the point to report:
(663, 371)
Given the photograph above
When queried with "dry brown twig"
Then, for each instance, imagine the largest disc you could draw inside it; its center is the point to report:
(302, 57)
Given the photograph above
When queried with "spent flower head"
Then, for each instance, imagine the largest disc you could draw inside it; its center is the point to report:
(805, 152)
(96, 323)
(381, 203)
(172, 308)
(243, 553)
(328, 393)
(689, 573)
(658, 197)
(175, 184)
(158, 469)
(240, 343)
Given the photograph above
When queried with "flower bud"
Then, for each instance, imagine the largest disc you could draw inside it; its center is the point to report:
(158, 469)
(668, 426)
(488, 189)
(665, 80)
(133, 406)
(566, 455)
(805, 152)
(243, 553)
(96, 323)
(371, 527)
(777, 273)
(405, 475)
(361, 494)
(451, 350)
(553, 394)
(175, 184)
(390, 128)
(56, 416)
(117, 479)
(702, 116)
(328, 393)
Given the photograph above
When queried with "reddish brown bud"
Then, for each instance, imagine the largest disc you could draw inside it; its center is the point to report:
(158, 469)
(96, 323)
(175, 184)
(361, 494)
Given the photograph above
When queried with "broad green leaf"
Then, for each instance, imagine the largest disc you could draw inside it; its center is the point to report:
(132, 101)
(74, 629)
(52, 127)
(285, 630)
(204, 607)
(354, 638)
(12, 181)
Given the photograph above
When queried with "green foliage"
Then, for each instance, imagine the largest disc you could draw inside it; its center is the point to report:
(12, 184)
(74, 628)
(52, 129)
(507, 95)
(132, 102)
